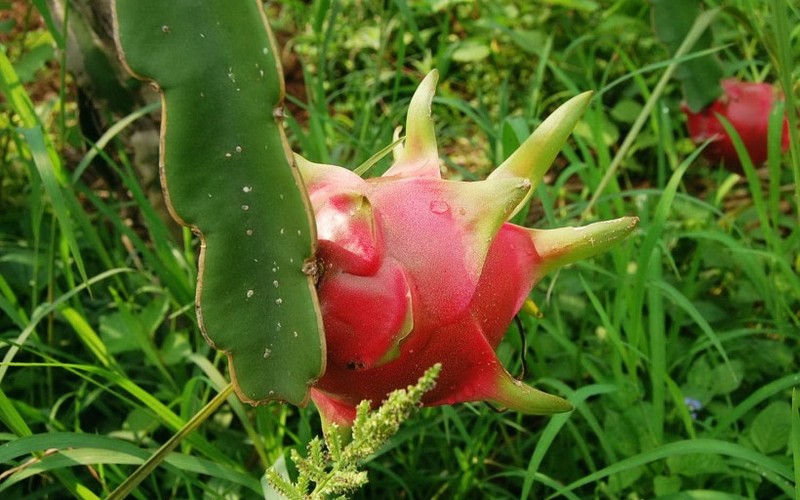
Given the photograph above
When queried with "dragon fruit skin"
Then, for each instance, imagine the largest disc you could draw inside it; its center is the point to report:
(417, 270)
(747, 107)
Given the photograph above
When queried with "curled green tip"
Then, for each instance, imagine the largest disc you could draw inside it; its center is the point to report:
(419, 156)
(534, 156)
(564, 245)
(518, 396)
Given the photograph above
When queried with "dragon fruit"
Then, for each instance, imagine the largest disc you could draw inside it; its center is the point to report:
(746, 106)
(416, 270)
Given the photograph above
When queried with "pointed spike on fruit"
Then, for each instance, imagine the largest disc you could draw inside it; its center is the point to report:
(317, 175)
(419, 156)
(481, 208)
(532, 159)
(562, 246)
(518, 396)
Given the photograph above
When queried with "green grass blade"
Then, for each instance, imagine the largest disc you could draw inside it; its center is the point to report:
(46, 309)
(553, 428)
(773, 470)
(151, 463)
(795, 444)
(43, 159)
(699, 27)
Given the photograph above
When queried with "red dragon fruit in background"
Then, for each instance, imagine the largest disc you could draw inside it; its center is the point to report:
(417, 270)
(747, 107)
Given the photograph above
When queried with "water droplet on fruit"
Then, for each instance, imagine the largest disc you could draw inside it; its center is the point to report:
(439, 206)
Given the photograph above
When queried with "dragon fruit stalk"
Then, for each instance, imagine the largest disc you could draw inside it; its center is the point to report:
(418, 270)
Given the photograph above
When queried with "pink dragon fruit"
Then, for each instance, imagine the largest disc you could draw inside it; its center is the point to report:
(417, 270)
(747, 106)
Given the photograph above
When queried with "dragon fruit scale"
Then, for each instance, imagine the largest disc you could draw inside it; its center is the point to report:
(416, 270)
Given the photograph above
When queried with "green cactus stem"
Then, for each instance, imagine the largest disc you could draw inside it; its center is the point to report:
(227, 173)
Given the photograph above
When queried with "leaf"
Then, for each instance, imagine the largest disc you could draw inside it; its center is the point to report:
(229, 175)
(772, 427)
(471, 51)
(692, 465)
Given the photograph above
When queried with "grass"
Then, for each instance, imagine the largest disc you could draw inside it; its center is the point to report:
(679, 349)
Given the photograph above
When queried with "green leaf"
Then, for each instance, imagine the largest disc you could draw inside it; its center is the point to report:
(772, 428)
(229, 175)
(471, 51)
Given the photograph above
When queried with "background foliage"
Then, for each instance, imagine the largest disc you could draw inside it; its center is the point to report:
(679, 349)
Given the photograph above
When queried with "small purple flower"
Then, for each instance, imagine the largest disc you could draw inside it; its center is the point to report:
(694, 406)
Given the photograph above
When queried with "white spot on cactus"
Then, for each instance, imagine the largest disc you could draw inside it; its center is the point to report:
(294, 333)
(247, 189)
(249, 232)
(245, 207)
(291, 261)
(280, 196)
(231, 75)
(265, 50)
(238, 149)
(299, 232)
(278, 326)
(283, 231)
(165, 28)
(267, 353)
(202, 35)
(202, 94)
(275, 283)
(279, 301)
(439, 206)
(250, 293)
(228, 155)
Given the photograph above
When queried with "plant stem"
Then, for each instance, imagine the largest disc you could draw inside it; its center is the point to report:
(151, 463)
(697, 29)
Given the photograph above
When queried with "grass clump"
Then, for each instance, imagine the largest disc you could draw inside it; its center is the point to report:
(680, 350)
